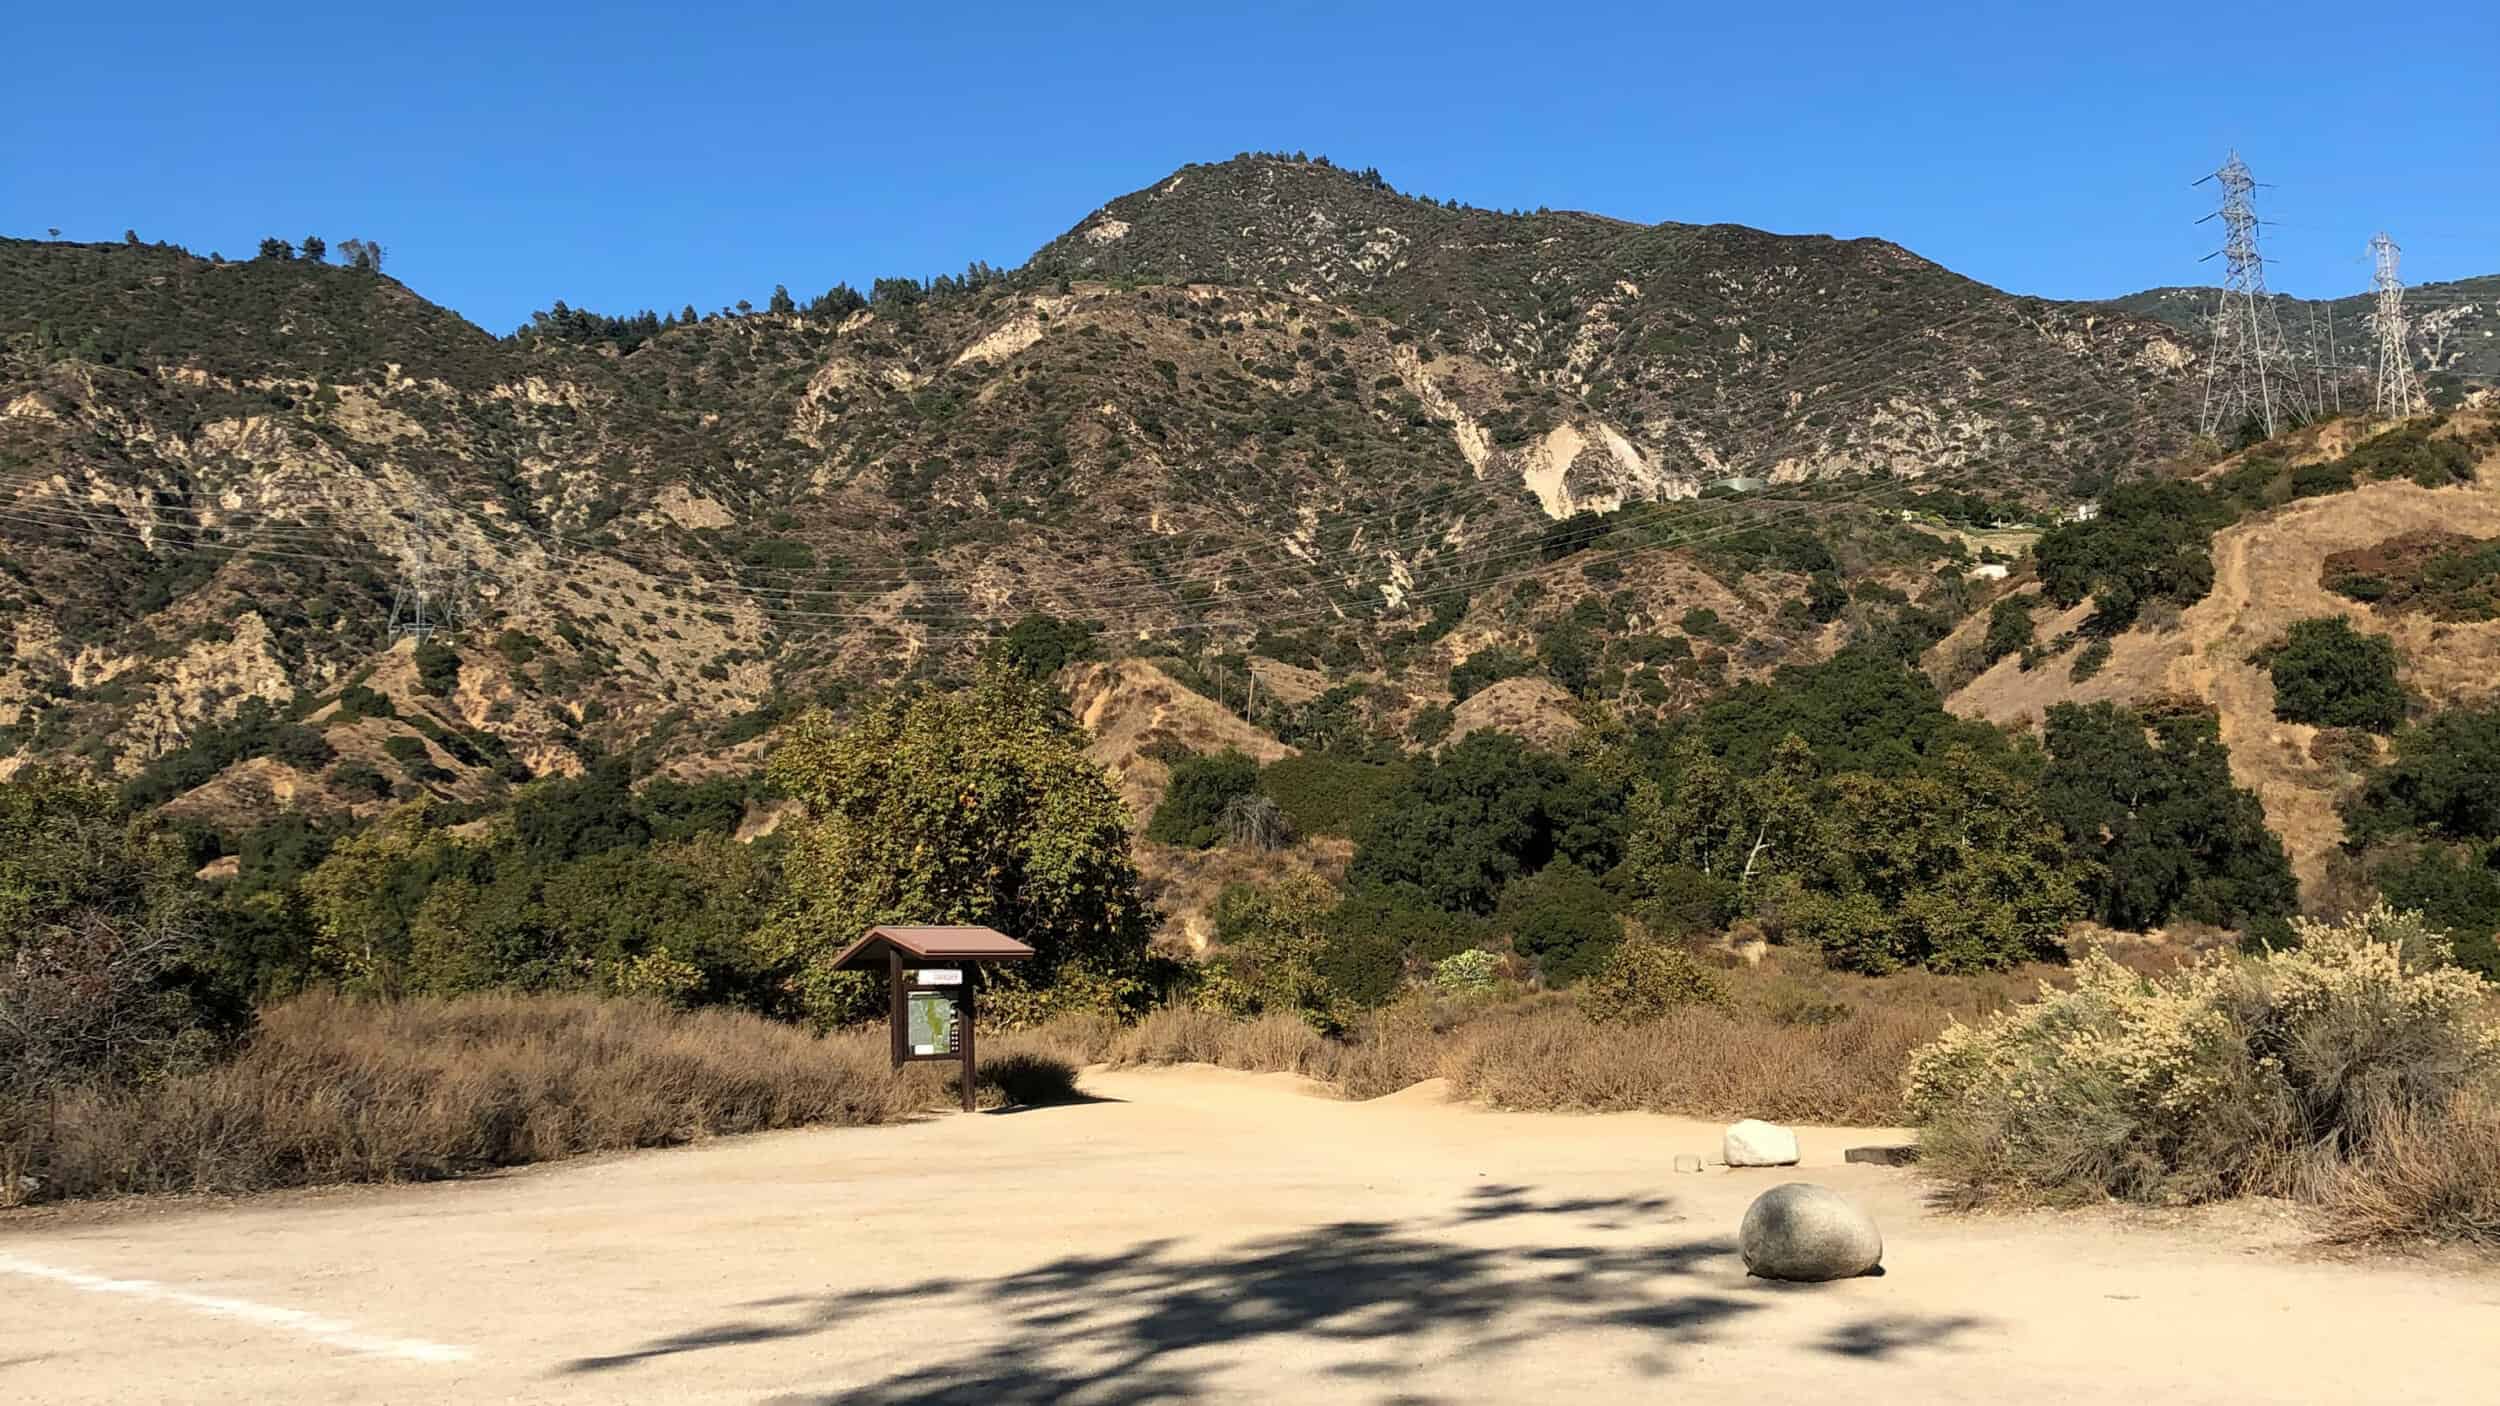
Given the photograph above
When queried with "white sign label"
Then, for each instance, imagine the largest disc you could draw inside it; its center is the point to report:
(939, 976)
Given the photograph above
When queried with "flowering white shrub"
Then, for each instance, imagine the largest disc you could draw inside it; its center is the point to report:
(2230, 1076)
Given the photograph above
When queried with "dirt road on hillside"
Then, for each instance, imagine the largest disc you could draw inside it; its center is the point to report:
(1197, 1235)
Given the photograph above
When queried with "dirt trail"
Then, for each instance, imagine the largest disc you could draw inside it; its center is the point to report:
(1196, 1235)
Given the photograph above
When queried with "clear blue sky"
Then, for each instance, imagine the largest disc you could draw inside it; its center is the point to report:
(627, 155)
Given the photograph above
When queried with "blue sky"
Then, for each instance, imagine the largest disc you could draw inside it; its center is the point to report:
(626, 155)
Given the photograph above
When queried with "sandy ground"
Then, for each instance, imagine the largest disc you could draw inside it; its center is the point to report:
(1196, 1235)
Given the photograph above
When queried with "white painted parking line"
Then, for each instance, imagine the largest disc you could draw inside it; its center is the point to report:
(336, 1332)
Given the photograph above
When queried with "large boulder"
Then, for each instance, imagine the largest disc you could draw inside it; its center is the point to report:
(1804, 1232)
(1754, 1143)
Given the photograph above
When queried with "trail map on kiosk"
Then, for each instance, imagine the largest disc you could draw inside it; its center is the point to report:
(930, 1023)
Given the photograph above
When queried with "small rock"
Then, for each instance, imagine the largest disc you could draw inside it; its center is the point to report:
(1808, 1233)
(1899, 1156)
(1754, 1143)
(1687, 1162)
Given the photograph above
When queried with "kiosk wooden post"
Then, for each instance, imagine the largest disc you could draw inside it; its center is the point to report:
(930, 987)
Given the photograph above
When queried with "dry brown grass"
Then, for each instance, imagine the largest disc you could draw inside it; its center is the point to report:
(1791, 1042)
(2426, 1177)
(334, 1090)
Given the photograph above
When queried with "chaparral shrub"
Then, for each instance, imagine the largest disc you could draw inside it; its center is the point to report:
(2273, 1075)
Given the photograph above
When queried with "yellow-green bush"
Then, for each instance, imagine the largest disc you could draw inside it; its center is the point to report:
(2236, 1075)
(1644, 978)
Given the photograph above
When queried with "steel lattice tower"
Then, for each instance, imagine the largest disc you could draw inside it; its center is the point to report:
(2247, 373)
(2398, 395)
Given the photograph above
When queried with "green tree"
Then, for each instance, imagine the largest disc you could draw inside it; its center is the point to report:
(2445, 780)
(2150, 800)
(1860, 710)
(1325, 795)
(566, 818)
(978, 806)
(276, 249)
(1707, 819)
(2458, 889)
(1569, 656)
(1955, 871)
(438, 667)
(362, 897)
(2009, 628)
(1562, 919)
(1826, 598)
(1041, 645)
(1488, 810)
(103, 966)
(2330, 674)
(781, 302)
(2152, 541)
(315, 249)
(1489, 665)
(1192, 812)
(1270, 943)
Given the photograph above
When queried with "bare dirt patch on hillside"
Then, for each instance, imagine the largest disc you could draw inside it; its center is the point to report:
(1532, 708)
(1133, 710)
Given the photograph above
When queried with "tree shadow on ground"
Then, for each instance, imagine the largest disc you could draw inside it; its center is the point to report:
(1154, 1322)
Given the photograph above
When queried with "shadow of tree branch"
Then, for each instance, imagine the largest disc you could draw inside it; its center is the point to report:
(1153, 1322)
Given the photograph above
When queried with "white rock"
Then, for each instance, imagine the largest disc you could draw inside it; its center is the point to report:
(1754, 1143)
(1809, 1233)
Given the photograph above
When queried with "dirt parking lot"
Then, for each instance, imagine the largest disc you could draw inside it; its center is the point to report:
(1195, 1235)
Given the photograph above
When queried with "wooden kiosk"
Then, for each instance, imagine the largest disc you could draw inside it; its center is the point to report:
(929, 978)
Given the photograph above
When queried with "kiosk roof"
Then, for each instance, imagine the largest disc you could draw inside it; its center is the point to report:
(932, 944)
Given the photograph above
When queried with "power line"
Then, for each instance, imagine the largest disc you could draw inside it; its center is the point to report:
(869, 584)
(1148, 594)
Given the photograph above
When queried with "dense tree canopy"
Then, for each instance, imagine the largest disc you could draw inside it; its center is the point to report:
(103, 970)
(1956, 870)
(1860, 710)
(1952, 865)
(1042, 645)
(2150, 800)
(974, 805)
(1487, 811)
(2151, 542)
(1193, 806)
(2330, 674)
(2444, 781)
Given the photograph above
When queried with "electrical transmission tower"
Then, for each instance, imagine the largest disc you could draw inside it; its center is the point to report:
(2247, 374)
(2398, 395)
(432, 595)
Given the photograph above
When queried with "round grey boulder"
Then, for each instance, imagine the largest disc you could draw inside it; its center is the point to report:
(1804, 1232)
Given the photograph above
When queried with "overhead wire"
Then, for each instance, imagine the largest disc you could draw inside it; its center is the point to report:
(1136, 580)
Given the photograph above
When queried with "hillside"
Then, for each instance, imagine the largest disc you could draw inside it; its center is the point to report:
(1329, 426)
(2270, 569)
(2454, 331)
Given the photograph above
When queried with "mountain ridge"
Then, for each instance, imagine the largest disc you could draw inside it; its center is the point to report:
(224, 485)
